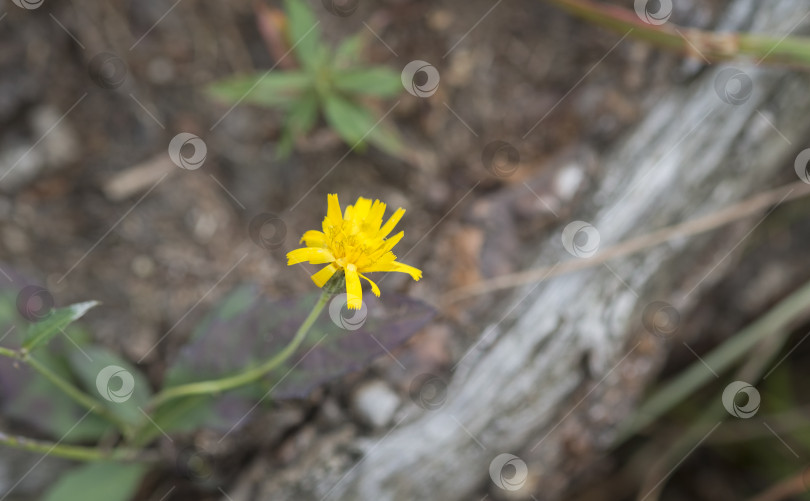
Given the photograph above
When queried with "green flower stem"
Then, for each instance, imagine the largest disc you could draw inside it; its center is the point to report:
(75, 452)
(230, 382)
(710, 45)
(70, 390)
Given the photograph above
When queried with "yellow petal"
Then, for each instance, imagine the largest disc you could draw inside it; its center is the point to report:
(361, 209)
(315, 255)
(374, 288)
(329, 227)
(354, 291)
(415, 273)
(392, 221)
(333, 210)
(314, 238)
(324, 275)
(391, 242)
(375, 215)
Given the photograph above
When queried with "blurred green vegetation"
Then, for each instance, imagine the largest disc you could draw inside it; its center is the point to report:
(686, 411)
(333, 83)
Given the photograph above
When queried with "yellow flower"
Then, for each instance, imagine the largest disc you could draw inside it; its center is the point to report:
(354, 242)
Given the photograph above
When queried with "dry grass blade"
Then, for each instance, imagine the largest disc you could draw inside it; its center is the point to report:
(763, 341)
(717, 219)
(774, 323)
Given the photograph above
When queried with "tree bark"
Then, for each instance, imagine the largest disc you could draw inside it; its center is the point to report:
(556, 375)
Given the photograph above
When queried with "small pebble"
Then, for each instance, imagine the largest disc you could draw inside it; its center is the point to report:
(375, 403)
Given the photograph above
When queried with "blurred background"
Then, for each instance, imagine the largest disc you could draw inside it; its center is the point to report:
(146, 163)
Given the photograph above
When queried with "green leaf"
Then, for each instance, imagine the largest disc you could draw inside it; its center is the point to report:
(273, 88)
(378, 81)
(387, 139)
(304, 33)
(28, 397)
(349, 51)
(284, 145)
(225, 344)
(42, 331)
(352, 122)
(357, 126)
(118, 385)
(108, 481)
(303, 114)
(9, 316)
(299, 121)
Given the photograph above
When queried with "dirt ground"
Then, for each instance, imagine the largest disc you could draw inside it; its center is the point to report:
(93, 207)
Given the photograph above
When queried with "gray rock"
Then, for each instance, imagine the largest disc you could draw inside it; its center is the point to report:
(375, 403)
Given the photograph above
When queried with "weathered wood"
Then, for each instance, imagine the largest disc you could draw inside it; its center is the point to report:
(573, 343)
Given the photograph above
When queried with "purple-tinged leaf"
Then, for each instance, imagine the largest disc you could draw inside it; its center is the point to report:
(249, 328)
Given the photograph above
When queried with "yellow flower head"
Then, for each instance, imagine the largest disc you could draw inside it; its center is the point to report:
(354, 242)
